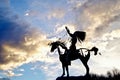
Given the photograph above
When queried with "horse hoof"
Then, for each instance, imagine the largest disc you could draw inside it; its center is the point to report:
(87, 74)
(62, 75)
(67, 75)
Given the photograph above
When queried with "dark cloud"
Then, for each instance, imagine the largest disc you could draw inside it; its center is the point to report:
(17, 39)
(12, 30)
(19, 42)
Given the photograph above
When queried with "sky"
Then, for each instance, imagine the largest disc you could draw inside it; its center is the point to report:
(28, 26)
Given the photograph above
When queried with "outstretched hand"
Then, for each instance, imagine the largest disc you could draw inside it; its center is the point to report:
(67, 29)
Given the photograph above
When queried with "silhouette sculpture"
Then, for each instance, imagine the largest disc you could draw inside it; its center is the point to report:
(77, 55)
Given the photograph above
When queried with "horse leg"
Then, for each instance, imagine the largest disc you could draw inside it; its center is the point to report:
(63, 67)
(84, 60)
(87, 68)
(67, 69)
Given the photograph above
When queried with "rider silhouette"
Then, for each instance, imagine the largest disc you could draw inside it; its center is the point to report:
(80, 35)
(73, 40)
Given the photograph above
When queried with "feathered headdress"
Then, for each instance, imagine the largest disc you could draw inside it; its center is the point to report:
(80, 35)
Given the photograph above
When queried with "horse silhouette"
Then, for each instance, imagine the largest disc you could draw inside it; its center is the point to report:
(66, 57)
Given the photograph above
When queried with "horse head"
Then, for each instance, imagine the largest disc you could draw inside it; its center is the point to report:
(54, 45)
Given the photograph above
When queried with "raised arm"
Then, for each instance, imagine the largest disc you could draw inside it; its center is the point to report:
(68, 31)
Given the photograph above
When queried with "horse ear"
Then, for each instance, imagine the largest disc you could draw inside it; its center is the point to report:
(50, 43)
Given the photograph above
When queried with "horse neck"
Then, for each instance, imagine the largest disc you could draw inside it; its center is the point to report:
(59, 52)
(63, 46)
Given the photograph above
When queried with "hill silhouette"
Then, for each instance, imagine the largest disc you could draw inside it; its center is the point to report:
(114, 75)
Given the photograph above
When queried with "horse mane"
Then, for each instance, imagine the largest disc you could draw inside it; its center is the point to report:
(59, 43)
(62, 44)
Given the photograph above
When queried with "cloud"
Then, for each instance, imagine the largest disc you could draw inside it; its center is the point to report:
(95, 16)
(49, 12)
(19, 43)
(21, 70)
(76, 4)
(11, 73)
(102, 33)
(56, 13)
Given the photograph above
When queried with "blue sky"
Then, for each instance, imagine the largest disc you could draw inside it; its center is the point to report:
(27, 26)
